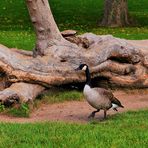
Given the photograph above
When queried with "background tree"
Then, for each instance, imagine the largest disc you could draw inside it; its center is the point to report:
(115, 13)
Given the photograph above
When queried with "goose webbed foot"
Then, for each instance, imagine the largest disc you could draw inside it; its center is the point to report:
(115, 109)
(92, 115)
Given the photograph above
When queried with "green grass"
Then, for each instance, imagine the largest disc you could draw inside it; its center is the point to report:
(58, 96)
(63, 95)
(19, 110)
(22, 110)
(21, 39)
(2, 107)
(16, 29)
(78, 14)
(119, 131)
(24, 39)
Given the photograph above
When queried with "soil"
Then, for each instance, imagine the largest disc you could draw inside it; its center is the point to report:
(78, 111)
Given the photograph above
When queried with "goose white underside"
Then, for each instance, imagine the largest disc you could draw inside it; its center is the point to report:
(114, 106)
(86, 88)
(91, 96)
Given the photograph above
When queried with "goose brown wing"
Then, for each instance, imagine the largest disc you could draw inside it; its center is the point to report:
(104, 92)
(108, 94)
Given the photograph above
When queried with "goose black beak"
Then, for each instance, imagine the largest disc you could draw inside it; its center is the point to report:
(77, 69)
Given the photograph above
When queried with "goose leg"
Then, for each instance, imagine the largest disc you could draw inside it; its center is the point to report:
(105, 114)
(92, 115)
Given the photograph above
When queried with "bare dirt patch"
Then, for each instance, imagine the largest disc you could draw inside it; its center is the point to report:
(78, 111)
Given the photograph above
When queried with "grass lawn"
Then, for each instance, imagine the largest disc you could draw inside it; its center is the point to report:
(119, 131)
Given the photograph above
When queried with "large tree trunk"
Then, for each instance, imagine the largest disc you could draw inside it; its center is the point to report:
(115, 14)
(47, 32)
(23, 77)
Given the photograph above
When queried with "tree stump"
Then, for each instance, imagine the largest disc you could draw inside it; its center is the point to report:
(116, 14)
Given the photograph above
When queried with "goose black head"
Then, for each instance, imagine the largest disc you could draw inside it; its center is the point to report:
(82, 67)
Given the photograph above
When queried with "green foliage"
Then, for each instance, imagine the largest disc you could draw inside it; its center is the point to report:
(119, 131)
(21, 111)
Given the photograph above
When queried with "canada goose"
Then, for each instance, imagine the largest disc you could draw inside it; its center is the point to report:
(99, 98)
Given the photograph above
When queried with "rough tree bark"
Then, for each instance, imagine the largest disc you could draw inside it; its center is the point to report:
(46, 30)
(115, 14)
(121, 62)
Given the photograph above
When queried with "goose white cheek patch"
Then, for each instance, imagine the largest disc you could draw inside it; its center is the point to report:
(84, 68)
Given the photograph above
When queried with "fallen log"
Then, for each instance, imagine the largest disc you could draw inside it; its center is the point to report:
(124, 63)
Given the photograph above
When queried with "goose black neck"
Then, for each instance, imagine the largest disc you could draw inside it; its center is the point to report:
(88, 78)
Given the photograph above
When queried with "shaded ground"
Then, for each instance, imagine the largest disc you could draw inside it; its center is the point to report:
(78, 111)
